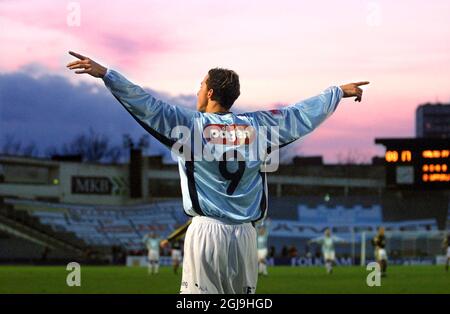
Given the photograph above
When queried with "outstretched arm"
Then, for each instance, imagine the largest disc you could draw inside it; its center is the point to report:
(339, 240)
(298, 120)
(155, 116)
(177, 234)
(318, 240)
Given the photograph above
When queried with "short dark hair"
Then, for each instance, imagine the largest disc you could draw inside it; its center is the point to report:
(225, 84)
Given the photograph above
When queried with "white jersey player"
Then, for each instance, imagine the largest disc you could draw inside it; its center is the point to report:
(263, 235)
(327, 242)
(223, 179)
(152, 242)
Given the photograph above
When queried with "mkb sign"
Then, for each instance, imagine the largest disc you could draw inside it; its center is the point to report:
(91, 185)
(99, 185)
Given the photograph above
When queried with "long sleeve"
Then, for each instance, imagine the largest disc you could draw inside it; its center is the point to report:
(318, 240)
(338, 239)
(154, 115)
(299, 119)
(178, 233)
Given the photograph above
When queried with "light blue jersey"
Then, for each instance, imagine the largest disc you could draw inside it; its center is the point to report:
(152, 244)
(231, 190)
(262, 241)
(327, 243)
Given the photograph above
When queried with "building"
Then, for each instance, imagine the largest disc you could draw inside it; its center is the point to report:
(433, 120)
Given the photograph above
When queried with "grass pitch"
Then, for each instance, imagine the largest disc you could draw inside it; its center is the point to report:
(293, 280)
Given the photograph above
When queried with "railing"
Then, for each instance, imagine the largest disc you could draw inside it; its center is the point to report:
(20, 223)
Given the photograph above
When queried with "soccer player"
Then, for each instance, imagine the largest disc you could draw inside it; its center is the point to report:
(176, 255)
(327, 242)
(379, 242)
(175, 240)
(152, 242)
(446, 245)
(223, 184)
(263, 235)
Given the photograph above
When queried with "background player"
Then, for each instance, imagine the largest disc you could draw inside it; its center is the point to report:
(175, 241)
(327, 242)
(176, 254)
(152, 242)
(226, 197)
(379, 243)
(446, 245)
(263, 234)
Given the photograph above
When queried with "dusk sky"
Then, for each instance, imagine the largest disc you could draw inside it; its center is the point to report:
(283, 51)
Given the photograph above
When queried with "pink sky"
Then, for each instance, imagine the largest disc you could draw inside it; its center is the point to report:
(284, 51)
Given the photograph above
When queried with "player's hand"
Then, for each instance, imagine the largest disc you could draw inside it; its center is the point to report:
(164, 243)
(353, 89)
(86, 65)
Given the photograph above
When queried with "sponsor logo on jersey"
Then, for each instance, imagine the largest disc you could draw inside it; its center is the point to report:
(275, 112)
(232, 134)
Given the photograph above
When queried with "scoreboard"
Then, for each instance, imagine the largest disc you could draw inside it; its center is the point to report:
(417, 163)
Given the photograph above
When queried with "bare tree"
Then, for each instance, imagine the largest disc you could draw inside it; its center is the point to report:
(288, 153)
(11, 146)
(14, 147)
(91, 146)
(114, 154)
(51, 151)
(353, 157)
(30, 150)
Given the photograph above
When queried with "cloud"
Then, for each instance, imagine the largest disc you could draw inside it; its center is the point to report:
(41, 33)
(50, 110)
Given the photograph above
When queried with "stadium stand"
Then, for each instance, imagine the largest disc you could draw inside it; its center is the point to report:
(294, 220)
(105, 226)
(20, 223)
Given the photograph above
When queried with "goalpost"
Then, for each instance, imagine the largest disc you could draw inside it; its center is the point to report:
(405, 247)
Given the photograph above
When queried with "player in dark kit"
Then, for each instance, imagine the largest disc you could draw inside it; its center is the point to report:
(176, 254)
(176, 243)
(379, 242)
(446, 245)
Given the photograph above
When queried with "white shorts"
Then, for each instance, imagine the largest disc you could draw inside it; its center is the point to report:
(219, 257)
(448, 252)
(262, 254)
(176, 255)
(381, 254)
(329, 255)
(153, 255)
